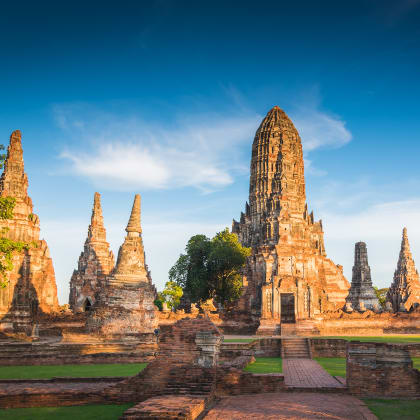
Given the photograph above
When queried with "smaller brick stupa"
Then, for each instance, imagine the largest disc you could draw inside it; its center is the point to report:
(404, 292)
(95, 263)
(125, 305)
(362, 294)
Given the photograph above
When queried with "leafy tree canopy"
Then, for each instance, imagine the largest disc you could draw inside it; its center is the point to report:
(171, 295)
(381, 295)
(210, 268)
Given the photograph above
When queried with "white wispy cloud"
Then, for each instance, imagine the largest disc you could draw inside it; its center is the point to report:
(123, 154)
(202, 150)
(320, 129)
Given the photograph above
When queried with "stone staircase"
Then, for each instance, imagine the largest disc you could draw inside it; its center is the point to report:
(295, 348)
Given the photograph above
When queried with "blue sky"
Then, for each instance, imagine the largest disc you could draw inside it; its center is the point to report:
(163, 98)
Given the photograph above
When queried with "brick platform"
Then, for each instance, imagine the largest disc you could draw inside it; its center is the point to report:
(170, 407)
(53, 393)
(279, 406)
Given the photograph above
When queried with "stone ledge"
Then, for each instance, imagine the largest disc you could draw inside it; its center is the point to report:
(171, 407)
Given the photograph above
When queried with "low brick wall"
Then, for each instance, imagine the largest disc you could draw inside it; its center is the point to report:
(381, 370)
(236, 382)
(337, 347)
(29, 354)
(328, 347)
(15, 393)
(369, 323)
(264, 347)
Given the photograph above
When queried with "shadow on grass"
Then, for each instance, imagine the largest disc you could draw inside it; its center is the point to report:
(394, 409)
(74, 371)
(82, 412)
(265, 365)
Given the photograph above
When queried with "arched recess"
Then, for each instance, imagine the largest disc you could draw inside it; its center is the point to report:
(87, 304)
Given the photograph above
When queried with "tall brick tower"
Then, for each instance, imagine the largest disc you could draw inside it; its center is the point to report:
(288, 277)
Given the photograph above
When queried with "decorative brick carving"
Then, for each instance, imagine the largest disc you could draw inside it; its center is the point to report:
(95, 263)
(32, 288)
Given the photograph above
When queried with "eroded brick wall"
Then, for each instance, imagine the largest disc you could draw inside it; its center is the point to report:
(175, 368)
(380, 369)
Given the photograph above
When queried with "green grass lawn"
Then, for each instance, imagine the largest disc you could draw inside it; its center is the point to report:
(335, 366)
(416, 362)
(394, 409)
(265, 365)
(381, 339)
(83, 412)
(75, 371)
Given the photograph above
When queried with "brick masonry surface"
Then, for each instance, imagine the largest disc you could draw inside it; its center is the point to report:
(279, 406)
(379, 369)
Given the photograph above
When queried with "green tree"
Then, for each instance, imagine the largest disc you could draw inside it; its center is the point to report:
(211, 268)
(171, 295)
(381, 295)
(191, 271)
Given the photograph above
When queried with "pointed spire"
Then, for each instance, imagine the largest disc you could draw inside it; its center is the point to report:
(405, 245)
(13, 181)
(134, 224)
(97, 209)
(406, 284)
(96, 231)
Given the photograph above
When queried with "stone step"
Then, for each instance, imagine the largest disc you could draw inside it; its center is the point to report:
(295, 348)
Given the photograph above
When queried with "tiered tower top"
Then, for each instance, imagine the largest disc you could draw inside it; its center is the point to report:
(277, 174)
(131, 258)
(13, 181)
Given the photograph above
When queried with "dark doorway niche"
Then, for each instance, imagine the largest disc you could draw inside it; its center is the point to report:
(287, 308)
(87, 305)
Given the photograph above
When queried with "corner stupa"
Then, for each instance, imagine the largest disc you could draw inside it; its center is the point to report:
(31, 289)
(404, 292)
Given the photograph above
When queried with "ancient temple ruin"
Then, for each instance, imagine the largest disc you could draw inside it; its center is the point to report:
(362, 295)
(31, 288)
(404, 292)
(95, 262)
(288, 277)
(125, 304)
